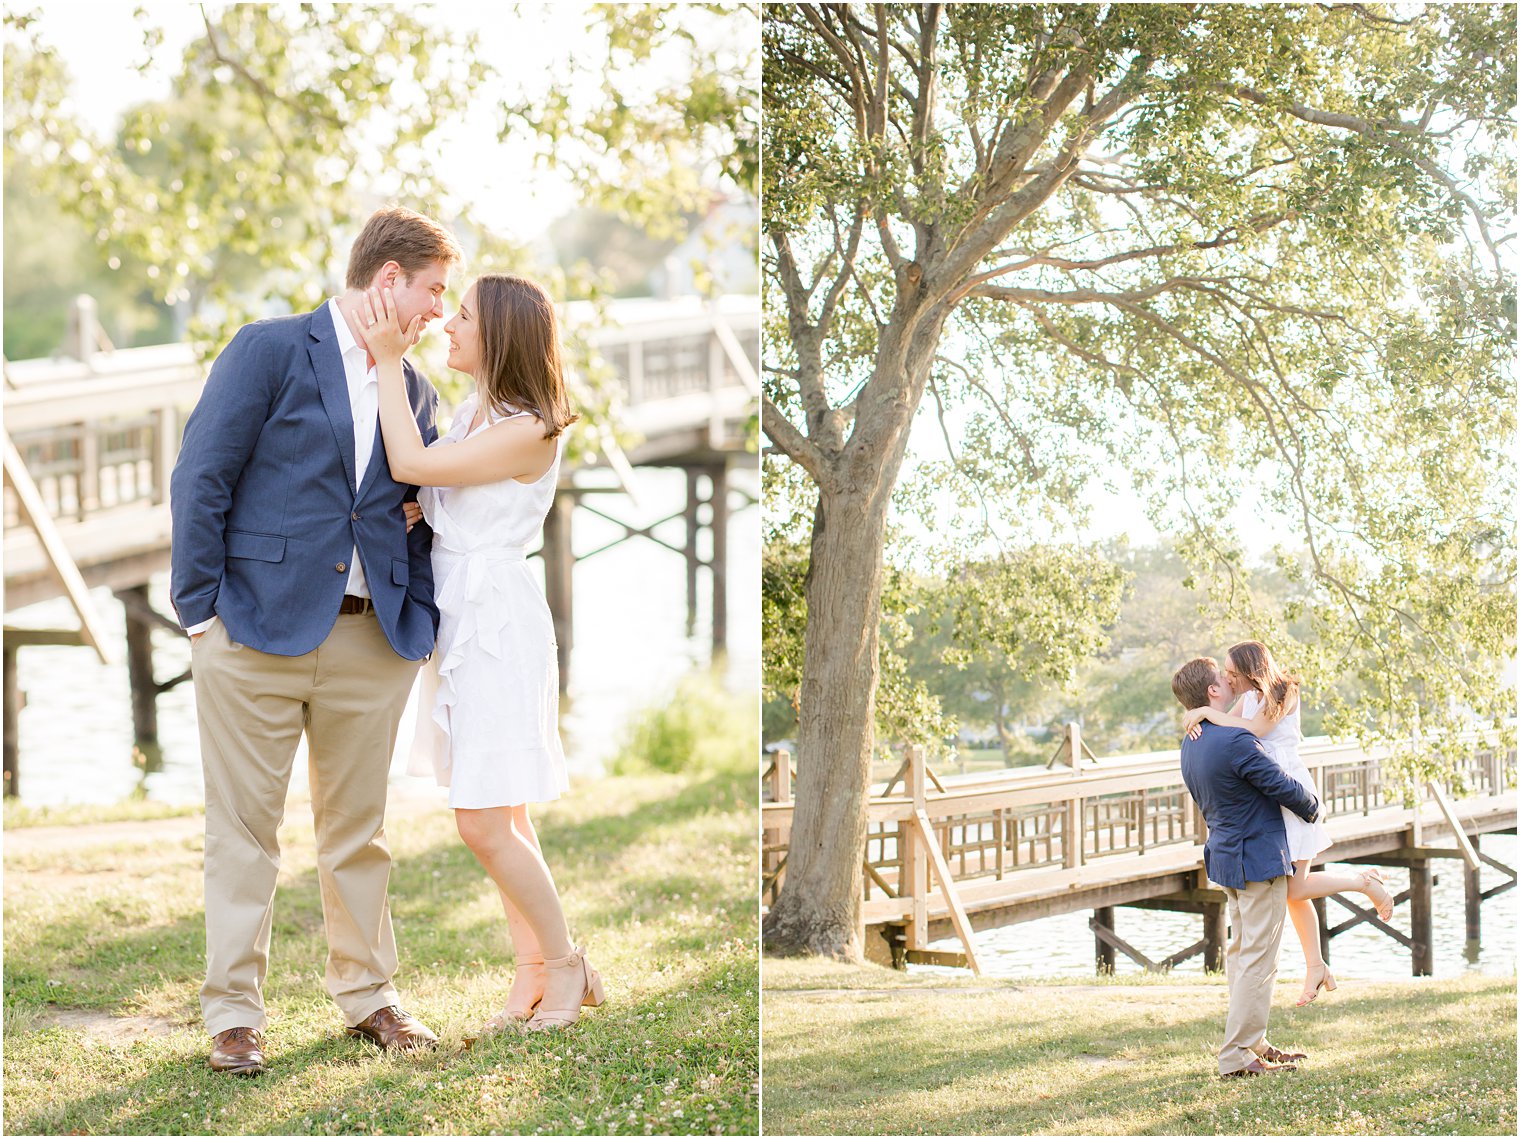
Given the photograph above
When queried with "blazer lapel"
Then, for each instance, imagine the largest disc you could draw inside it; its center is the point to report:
(377, 457)
(332, 382)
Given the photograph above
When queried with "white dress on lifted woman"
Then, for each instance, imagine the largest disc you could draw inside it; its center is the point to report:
(1305, 840)
(488, 718)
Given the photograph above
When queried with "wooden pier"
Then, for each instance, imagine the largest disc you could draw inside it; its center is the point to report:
(92, 436)
(949, 858)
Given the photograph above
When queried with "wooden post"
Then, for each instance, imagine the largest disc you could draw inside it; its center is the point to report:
(781, 792)
(914, 880)
(35, 511)
(635, 371)
(1449, 813)
(715, 378)
(717, 525)
(12, 732)
(692, 560)
(82, 340)
(958, 916)
(140, 668)
(559, 567)
(1473, 888)
(1104, 916)
(1072, 841)
(781, 777)
(1215, 935)
(1421, 949)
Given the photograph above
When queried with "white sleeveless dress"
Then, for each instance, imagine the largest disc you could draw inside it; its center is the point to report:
(1305, 840)
(488, 717)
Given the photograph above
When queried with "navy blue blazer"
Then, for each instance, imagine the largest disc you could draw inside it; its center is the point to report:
(265, 509)
(1239, 788)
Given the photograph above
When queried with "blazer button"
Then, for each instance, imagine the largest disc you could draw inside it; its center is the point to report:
(355, 516)
(341, 566)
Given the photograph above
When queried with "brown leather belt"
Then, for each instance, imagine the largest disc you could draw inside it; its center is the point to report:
(352, 604)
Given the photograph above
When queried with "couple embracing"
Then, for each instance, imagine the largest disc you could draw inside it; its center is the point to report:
(1266, 828)
(326, 541)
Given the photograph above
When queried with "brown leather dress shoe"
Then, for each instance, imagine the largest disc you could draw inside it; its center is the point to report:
(238, 1051)
(1278, 1056)
(395, 1030)
(1257, 1068)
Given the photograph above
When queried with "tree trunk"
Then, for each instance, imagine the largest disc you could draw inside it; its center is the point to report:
(1005, 737)
(818, 909)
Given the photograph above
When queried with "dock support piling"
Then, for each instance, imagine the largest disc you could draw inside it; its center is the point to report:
(12, 714)
(693, 499)
(1421, 912)
(717, 523)
(140, 666)
(1104, 916)
(1473, 889)
(1215, 935)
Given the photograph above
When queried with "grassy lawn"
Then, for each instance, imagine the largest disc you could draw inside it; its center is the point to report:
(862, 1050)
(20, 815)
(103, 959)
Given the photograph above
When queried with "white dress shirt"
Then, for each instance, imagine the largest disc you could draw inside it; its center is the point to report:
(364, 403)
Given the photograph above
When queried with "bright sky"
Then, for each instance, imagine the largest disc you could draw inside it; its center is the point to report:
(102, 45)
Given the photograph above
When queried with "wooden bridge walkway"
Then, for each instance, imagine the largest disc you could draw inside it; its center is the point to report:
(950, 858)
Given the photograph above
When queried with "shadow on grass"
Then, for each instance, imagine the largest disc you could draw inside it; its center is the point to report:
(1050, 1073)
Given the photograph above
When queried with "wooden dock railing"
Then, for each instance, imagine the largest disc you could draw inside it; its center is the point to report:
(948, 851)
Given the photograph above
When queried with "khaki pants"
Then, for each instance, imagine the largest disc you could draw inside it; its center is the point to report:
(1250, 966)
(347, 695)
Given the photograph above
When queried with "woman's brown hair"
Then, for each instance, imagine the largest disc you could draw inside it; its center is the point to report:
(1253, 660)
(519, 350)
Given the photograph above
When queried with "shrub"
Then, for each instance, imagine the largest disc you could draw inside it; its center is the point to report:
(701, 727)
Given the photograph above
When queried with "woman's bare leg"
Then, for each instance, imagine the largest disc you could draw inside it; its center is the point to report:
(1306, 925)
(528, 973)
(524, 940)
(1306, 886)
(504, 842)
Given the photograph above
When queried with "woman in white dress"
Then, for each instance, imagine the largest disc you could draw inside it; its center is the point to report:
(493, 722)
(1268, 708)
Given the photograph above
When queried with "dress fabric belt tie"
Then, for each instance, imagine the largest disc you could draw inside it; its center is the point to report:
(473, 589)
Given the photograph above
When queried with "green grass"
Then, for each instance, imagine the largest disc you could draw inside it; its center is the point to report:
(657, 875)
(18, 815)
(863, 1050)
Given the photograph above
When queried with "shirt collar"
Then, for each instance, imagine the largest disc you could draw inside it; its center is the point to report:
(346, 341)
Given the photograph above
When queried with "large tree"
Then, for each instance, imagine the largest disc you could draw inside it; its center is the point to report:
(1222, 252)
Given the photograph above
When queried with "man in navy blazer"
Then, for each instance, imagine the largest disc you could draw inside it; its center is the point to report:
(1241, 791)
(309, 607)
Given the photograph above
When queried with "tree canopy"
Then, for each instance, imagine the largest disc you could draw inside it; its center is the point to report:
(1207, 249)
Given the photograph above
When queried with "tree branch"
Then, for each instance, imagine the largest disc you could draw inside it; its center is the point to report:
(793, 443)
